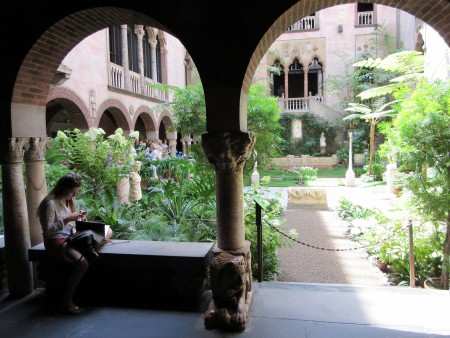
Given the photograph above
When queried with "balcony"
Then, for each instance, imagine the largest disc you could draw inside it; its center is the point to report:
(366, 18)
(308, 23)
(137, 84)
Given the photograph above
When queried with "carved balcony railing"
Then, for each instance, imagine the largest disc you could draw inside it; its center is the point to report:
(296, 105)
(366, 18)
(304, 24)
(136, 83)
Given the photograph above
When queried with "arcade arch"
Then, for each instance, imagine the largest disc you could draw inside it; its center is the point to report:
(226, 68)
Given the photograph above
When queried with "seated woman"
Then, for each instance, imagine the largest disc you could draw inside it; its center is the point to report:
(57, 214)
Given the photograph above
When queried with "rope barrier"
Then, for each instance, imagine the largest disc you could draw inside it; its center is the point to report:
(329, 249)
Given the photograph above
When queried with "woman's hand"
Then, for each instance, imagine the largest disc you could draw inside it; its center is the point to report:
(74, 216)
(83, 215)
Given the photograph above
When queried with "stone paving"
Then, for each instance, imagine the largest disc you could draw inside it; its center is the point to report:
(320, 227)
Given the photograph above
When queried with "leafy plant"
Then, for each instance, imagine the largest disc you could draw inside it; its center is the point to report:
(419, 138)
(100, 162)
(272, 240)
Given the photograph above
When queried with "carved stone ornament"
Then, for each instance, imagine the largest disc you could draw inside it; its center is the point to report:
(131, 109)
(228, 151)
(37, 149)
(231, 285)
(12, 149)
(92, 103)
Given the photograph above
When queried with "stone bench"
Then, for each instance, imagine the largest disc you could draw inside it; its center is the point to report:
(133, 273)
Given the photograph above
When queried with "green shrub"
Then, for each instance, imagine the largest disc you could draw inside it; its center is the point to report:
(272, 240)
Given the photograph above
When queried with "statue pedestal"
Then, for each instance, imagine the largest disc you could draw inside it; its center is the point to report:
(255, 177)
(231, 285)
(350, 178)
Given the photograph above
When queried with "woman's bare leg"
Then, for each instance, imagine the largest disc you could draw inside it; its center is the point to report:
(80, 267)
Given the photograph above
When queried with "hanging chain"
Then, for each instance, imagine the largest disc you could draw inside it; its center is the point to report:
(329, 249)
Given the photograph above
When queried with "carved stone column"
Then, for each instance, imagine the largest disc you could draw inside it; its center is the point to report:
(153, 59)
(173, 147)
(139, 30)
(36, 184)
(228, 152)
(125, 64)
(231, 272)
(305, 83)
(17, 232)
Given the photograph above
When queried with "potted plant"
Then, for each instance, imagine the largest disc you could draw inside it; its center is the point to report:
(358, 153)
(342, 155)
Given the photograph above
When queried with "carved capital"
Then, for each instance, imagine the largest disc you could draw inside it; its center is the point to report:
(172, 143)
(12, 149)
(38, 147)
(228, 151)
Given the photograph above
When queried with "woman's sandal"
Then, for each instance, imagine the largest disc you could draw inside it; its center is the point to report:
(72, 309)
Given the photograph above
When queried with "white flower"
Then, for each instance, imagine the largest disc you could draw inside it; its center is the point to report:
(60, 135)
(119, 131)
(135, 134)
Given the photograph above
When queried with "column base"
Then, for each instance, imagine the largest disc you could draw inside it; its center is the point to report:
(231, 284)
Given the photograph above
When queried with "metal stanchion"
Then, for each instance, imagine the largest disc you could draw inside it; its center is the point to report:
(259, 205)
(412, 271)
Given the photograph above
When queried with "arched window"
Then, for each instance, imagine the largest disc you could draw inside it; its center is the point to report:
(158, 61)
(296, 79)
(132, 50)
(115, 45)
(278, 80)
(147, 49)
(315, 77)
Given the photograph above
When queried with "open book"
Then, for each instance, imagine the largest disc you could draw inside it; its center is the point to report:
(98, 227)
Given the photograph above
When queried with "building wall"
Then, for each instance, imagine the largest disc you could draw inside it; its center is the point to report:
(89, 62)
(332, 47)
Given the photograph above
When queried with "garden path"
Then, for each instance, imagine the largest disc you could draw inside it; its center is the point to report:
(322, 228)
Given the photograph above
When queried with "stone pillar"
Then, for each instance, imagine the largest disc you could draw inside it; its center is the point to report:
(153, 53)
(305, 83)
(15, 215)
(228, 152)
(286, 84)
(171, 137)
(231, 272)
(125, 64)
(173, 147)
(139, 30)
(36, 184)
(391, 170)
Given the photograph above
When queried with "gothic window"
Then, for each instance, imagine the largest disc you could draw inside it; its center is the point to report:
(147, 49)
(296, 80)
(315, 77)
(158, 61)
(365, 14)
(278, 80)
(115, 45)
(132, 50)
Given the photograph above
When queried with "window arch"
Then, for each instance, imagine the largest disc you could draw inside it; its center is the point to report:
(147, 50)
(296, 79)
(315, 77)
(158, 61)
(115, 45)
(133, 63)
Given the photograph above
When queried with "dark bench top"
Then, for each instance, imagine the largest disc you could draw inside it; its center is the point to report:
(146, 254)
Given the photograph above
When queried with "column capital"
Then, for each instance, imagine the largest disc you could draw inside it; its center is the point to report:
(37, 148)
(228, 151)
(139, 31)
(13, 149)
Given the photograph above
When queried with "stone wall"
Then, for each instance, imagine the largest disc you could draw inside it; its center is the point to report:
(291, 161)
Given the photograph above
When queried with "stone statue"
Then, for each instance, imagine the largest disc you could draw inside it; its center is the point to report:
(323, 144)
(135, 182)
(231, 280)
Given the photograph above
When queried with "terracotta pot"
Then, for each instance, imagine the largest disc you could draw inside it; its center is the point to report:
(381, 265)
(433, 283)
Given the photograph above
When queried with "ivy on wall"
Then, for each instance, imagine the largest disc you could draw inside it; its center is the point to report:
(312, 128)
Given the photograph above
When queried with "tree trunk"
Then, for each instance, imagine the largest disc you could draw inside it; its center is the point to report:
(371, 145)
(446, 249)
